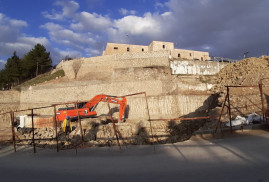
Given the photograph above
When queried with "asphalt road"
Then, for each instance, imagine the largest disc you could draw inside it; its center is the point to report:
(232, 159)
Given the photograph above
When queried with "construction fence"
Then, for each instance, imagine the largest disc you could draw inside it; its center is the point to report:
(244, 102)
(46, 131)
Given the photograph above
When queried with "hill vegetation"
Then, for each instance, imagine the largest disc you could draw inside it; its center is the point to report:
(17, 70)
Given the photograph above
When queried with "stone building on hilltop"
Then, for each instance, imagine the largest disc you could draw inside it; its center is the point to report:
(115, 48)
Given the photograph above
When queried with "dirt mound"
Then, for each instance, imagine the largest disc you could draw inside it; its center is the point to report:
(245, 72)
(243, 100)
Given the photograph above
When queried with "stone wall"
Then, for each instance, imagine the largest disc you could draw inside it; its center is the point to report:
(102, 67)
(196, 67)
(160, 46)
(9, 100)
(190, 54)
(106, 64)
(114, 48)
(169, 106)
(155, 46)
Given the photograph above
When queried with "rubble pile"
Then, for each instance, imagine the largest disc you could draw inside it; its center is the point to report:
(244, 100)
(245, 72)
(100, 132)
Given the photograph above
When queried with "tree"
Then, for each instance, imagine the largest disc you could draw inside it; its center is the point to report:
(3, 79)
(13, 69)
(76, 66)
(36, 61)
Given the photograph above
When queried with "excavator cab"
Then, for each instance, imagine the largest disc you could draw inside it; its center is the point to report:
(81, 105)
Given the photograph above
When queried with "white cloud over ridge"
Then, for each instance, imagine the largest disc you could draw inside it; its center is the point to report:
(138, 25)
(11, 38)
(88, 32)
(224, 27)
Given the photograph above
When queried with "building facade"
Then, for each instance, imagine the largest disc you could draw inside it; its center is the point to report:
(115, 48)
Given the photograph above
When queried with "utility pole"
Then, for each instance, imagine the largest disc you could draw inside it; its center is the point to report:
(127, 37)
(245, 54)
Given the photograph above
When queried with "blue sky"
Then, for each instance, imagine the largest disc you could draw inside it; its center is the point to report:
(82, 28)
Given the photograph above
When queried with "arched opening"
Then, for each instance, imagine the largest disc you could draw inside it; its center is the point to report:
(128, 49)
(178, 55)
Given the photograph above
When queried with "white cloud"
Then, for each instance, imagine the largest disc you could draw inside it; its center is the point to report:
(124, 12)
(52, 26)
(91, 22)
(68, 53)
(91, 51)
(138, 25)
(141, 29)
(223, 27)
(66, 36)
(53, 15)
(2, 62)
(159, 5)
(206, 47)
(17, 23)
(68, 10)
(69, 7)
(34, 40)
(11, 38)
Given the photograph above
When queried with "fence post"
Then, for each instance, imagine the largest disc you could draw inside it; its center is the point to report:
(81, 130)
(56, 133)
(229, 108)
(263, 108)
(147, 105)
(33, 129)
(12, 129)
(114, 126)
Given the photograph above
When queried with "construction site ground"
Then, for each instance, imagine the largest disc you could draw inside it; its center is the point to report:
(231, 158)
(244, 101)
(192, 152)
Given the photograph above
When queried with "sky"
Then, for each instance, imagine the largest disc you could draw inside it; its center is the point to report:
(81, 28)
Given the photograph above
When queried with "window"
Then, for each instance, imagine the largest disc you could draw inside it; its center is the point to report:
(202, 58)
(142, 49)
(178, 55)
(190, 54)
(128, 49)
(163, 46)
(115, 48)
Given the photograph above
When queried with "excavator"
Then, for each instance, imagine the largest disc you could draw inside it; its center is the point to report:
(87, 109)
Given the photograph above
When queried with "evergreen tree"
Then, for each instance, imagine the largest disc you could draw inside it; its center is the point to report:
(13, 69)
(36, 61)
(3, 79)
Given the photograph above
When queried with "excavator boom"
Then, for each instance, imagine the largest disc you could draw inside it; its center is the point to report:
(86, 109)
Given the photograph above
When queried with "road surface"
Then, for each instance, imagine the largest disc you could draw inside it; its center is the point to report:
(231, 159)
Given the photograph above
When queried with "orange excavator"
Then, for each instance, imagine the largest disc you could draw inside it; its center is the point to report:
(86, 109)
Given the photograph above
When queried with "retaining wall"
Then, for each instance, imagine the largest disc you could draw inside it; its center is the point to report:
(170, 106)
(9, 100)
(196, 67)
(106, 64)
